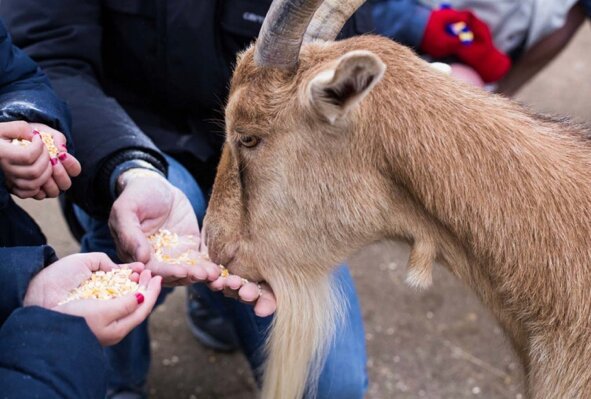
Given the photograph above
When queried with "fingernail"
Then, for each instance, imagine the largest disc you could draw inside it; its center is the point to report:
(62, 156)
(140, 298)
(54, 161)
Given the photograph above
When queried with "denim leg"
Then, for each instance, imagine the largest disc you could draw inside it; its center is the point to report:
(130, 359)
(344, 375)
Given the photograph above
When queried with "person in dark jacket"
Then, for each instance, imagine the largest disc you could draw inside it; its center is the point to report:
(146, 81)
(48, 350)
(52, 350)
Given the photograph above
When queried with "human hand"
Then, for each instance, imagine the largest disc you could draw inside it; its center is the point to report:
(260, 295)
(29, 170)
(147, 204)
(109, 320)
(437, 42)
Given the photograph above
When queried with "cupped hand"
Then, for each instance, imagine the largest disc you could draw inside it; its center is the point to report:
(53, 284)
(110, 320)
(147, 204)
(260, 295)
(29, 170)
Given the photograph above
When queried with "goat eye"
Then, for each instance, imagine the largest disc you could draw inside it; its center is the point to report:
(249, 141)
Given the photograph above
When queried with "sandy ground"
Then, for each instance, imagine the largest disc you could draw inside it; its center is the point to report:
(439, 343)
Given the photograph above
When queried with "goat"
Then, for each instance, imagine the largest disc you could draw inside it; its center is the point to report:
(331, 146)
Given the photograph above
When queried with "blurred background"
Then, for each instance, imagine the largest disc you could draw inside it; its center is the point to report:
(438, 343)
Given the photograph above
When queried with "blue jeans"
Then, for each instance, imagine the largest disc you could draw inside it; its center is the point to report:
(344, 375)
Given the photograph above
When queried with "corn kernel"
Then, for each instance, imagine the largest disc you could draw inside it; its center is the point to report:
(164, 241)
(47, 140)
(104, 285)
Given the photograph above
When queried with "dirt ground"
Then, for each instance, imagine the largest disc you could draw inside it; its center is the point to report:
(439, 343)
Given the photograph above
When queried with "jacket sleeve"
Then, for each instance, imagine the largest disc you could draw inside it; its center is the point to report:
(18, 265)
(65, 38)
(25, 91)
(45, 354)
(402, 20)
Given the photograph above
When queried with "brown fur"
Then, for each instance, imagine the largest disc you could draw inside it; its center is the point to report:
(500, 196)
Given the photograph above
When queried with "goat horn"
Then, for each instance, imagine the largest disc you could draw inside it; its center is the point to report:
(282, 33)
(330, 18)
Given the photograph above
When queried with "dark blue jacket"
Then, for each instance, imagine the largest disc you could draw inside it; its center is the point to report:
(586, 4)
(141, 75)
(43, 354)
(25, 94)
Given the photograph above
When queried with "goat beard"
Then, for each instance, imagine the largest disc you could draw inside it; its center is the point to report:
(309, 311)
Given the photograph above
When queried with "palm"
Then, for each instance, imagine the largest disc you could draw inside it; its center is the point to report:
(61, 281)
(53, 284)
(146, 206)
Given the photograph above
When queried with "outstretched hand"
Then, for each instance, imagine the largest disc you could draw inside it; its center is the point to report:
(260, 294)
(147, 204)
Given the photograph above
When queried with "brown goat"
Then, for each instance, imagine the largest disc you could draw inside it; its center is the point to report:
(363, 141)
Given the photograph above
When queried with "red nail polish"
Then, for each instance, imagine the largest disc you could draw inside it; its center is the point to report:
(35, 131)
(65, 147)
(53, 161)
(62, 156)
(140, 297)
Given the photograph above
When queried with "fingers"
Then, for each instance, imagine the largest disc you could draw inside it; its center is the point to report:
(136, 267)
(60, 175)
(26, 155)
(70, 163)
(136, 307)
(217, 285)
(24, 194)
(16, 130)
(261, 295)
(233, 282)
(172, 275)
(249, 292)
(267, 303)
(204, 271)
(40, 195)
(124, 223)
(51, 188)
(119, 308)
(96, 261)
(213, 270)
(39, 167)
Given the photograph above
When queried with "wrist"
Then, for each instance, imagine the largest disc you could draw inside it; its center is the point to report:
(106, 177)
(134, 173)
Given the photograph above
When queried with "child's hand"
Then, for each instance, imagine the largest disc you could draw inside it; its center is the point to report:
(110, 320)
(29, 170)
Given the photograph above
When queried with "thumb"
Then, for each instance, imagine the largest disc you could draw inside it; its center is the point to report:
(119, 308)
(16, 130)
(132, 243)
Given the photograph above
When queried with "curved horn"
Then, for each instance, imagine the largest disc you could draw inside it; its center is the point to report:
(330, 18)
(280, 39)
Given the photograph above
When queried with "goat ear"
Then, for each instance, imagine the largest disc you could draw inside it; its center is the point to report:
(335, 91)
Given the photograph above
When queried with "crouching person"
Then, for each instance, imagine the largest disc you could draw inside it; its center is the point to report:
(49, 348)
(52, 349)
